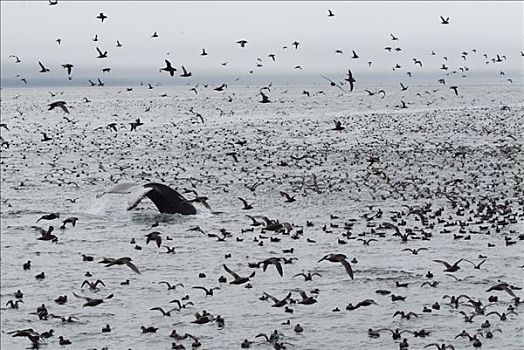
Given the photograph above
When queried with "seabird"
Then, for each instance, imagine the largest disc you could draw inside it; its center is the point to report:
(120, 261)
(238, 279)
(42, 68)
(101, 17)
(169, 68)
(339, 258)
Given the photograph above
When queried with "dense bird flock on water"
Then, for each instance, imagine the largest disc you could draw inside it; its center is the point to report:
(396, 225)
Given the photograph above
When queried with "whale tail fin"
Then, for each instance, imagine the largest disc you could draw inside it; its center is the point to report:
(137, 195)
(122, 188)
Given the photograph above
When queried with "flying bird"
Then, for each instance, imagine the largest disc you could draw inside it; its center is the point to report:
(68, 66)
(444, 20)
(339, 258)
(168, 68)
(350, 80)
(100, 54)
(42, 68)
(120, 261)
(101, 17)
(242, 43)
(186, 73)
(330, 13)
(60, 104)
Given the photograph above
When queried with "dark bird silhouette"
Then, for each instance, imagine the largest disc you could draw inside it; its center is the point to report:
(92, 301)
(209, 292)
(164, 313)
(169, 68)
(454, 88)
(51, 216)
(338, 125)
(101, 17)
(155, 35)
(246, 205)
(308, 276)
(350, 80)
(414, 251)
(354, 54)
(238, 279)
(92, 285)
(42, 68)
(186, 73)
(60, 104)
(101, 54)
(68, 66)
(278, 302)
(242, 43)
(221, 87)
(339, 258)
(444, 20)
(330, 13)
(503, 286)
(476, 266)
(332, 83)
(288, 198)
(450, 268)
(171, 287)
(405, 315)
(154, 236)
(120, 261)
(265, 98)
(272, 261)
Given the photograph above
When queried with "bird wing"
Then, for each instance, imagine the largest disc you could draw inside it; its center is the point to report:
(132, 266)
(178, 302)
(159, 309)
(64, 108)
(347, 266)
(243, 201)
(99, 52)
(230, 272)
(271, 297)
(278, 265)
(443, 262)
(324, 258)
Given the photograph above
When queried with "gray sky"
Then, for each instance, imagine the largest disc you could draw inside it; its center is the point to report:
(29, 30)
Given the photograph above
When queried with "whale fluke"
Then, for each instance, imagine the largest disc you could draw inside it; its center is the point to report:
(164, 197)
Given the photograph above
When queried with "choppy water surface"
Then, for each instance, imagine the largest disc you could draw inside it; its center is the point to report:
(462, 155)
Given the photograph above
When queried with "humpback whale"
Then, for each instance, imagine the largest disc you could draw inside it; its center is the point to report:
(164, 197)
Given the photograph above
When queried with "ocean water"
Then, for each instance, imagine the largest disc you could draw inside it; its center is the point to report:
(451, 154)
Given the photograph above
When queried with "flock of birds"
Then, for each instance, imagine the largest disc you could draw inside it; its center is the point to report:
(411, 195)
